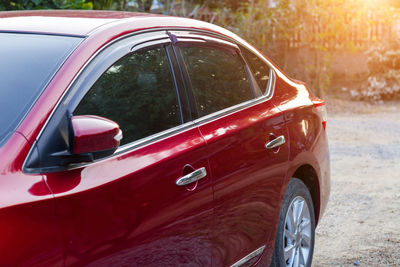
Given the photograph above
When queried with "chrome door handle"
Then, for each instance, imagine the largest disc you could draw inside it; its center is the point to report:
(276, 142)
(192, 177)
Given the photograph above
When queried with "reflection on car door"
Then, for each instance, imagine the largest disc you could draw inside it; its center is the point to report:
(127, 209)
(236, 126)
(248, 178)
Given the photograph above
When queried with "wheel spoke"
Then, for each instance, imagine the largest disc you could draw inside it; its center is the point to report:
(289, 235)
(292, 257)
(304, 224)
(302, 260)
(290, 214)
(289, 250)
(296, 258)
(300, 210)
(306, 240)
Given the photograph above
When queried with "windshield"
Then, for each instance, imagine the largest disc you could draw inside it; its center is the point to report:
(27, 64)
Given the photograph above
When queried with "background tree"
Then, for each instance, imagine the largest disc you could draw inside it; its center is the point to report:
(316, 28)
(45, 4)
(144, 5)
(105, 4)
(384, 74)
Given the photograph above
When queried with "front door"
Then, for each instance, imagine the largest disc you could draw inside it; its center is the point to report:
(132, 208)
(128, 210)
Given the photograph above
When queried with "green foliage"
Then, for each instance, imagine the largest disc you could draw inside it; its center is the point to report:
(144, 5)
(319, 28)
(45, 4)
(103, 4)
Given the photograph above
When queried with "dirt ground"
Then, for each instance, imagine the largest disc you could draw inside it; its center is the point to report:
(361, 226)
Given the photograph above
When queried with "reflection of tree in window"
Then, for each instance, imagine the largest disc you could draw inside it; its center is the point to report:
(259, 68)
(218, 78)
(138, 93)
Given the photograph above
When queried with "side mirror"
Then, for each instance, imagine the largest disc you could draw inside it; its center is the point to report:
(96, 135)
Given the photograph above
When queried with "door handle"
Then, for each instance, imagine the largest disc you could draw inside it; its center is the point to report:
(192, 177)
(276, 142)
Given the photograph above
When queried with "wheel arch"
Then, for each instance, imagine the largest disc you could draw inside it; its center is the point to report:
(307, 174)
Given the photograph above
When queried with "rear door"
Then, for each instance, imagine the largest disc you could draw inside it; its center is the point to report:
(132, 208)
(237, 118)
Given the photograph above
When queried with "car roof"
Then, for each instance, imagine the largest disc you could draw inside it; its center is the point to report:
(87, 22)
(66, 22)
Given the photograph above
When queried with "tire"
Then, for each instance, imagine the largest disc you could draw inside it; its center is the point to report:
(298, 241)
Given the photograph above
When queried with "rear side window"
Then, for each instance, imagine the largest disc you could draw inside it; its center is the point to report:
(259, 68)
(138, 93)
(27, 64)
(218, 78)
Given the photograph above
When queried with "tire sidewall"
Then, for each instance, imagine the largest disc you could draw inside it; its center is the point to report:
(295, 188)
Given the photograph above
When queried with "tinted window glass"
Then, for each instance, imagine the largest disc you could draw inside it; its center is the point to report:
(27, 63)
(138, 93)
(219, 79)
(259, 68)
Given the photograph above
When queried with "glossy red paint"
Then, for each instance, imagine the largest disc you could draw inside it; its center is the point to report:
(247, 178)
(321, 108)
(127, 208)
(308, 140)
(69, 22)
(28, 228)
(94, 133)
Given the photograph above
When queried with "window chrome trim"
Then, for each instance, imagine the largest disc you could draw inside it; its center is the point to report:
(271, 83)
(154, 137)
(78, 75)
(211, 36)
(245, 259)
(64, 96)
(188, 36)
(207, 33)
(121, 150)
(144, 141)
(148, 43)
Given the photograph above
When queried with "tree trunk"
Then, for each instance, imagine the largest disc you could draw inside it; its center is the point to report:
(145, 5)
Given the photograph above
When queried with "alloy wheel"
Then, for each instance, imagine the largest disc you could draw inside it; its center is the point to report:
(297, 233)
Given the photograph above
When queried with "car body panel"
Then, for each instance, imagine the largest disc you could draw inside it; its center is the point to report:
(308, 139)
(28, 226)
(67, 22)
(247, 178)
(127, 208)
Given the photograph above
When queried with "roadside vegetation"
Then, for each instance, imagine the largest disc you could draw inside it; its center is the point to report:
(383, 82)
(303, 38)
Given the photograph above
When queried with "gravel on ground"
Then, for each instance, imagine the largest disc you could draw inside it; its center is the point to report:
(361, 225)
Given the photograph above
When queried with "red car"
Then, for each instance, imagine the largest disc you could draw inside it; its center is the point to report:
(145, 140)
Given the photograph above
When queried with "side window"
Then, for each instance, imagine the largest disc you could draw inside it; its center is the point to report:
(260, 69)
(138, 93)
(218, 77)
